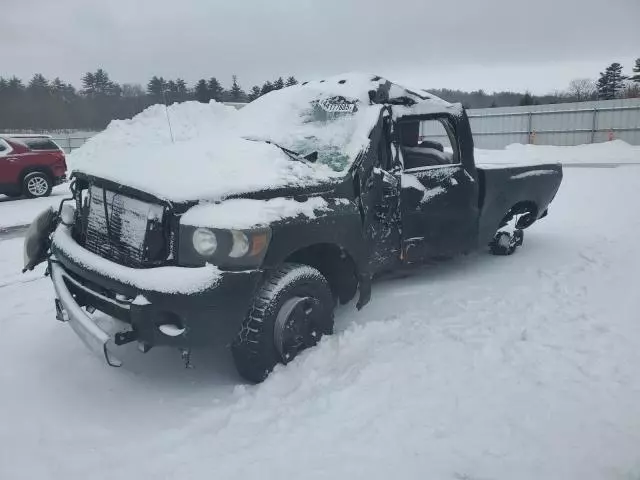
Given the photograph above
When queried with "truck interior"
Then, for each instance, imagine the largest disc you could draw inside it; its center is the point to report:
(420, 152)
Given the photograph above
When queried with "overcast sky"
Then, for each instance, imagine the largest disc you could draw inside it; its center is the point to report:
(492, 44)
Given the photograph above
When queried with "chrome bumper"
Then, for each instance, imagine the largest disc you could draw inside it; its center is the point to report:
(97, 340)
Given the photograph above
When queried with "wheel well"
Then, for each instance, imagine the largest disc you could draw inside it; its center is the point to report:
(335, 263)
(528, 210)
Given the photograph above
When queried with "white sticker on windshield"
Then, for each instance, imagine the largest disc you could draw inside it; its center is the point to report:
(337, 105)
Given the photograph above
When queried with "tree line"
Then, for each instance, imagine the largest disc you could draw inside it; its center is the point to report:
(612, 83)
(44, 104)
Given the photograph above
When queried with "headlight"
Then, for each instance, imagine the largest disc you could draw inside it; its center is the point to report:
(205, 242)
(240, 245)
(221, 247)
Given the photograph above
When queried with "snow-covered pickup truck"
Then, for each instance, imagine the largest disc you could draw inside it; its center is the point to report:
(253, 230)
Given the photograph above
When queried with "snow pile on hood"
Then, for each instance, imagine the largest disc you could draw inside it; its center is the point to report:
(616, 151)
(218, 151)
(206, 160)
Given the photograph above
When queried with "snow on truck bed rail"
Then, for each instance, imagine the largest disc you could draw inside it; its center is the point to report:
(614, 152)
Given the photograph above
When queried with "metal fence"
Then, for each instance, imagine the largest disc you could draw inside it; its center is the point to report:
(559, 124)
(494, 128)
(72, 141)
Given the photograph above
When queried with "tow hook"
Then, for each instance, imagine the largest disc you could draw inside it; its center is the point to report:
(122, 338)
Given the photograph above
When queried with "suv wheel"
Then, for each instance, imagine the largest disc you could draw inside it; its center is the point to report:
(37, 184)
(291, 311)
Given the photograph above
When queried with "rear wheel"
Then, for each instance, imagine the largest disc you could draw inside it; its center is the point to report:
(292, 310)
(37, 184)
(505, 243)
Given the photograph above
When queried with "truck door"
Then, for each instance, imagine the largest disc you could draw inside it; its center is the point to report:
(439, 195)
(379, 199)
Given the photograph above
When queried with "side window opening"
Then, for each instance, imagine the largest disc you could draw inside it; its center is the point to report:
(41, 144)
(428, 143)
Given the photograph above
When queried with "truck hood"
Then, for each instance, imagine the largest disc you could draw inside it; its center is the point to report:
(210, 170)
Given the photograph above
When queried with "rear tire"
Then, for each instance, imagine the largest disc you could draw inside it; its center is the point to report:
(291, 311)
(37, 185)
(505, 243)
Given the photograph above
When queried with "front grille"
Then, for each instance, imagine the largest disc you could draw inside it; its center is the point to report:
(121, 228)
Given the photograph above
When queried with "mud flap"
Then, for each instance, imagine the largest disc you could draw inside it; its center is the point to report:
(364, 281)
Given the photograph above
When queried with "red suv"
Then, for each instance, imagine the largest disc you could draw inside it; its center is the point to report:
(30, 165)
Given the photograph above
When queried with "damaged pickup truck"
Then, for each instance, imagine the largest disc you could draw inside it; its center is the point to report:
(296, 205)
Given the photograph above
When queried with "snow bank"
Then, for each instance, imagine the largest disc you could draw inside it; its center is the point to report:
(521, 368)
(160, 279)
(248, 213)
(22, 211)
(616, 151)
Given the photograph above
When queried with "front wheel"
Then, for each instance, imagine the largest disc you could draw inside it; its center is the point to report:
(37, 184)
(291, 311)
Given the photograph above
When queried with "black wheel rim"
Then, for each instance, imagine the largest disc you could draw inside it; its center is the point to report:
(296, 326)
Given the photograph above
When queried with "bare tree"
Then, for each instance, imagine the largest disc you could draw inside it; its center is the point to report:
(582, 89)
(631, 90)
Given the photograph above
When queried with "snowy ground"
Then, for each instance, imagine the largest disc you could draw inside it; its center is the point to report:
(522, 367)
(22, 211)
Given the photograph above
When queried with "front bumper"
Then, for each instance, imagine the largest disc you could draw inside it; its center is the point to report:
(97, 340)
(208, 315)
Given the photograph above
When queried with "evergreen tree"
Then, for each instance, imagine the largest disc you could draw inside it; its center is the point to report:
(636, 71)
(103, 85)
(291, 81)
(215, 90)
(237, 94)
(255, 93)
(156, 88)
(266, 87)
(527, 99)
(88, 84)
(38, 84)
(278, 84)
(201, 91)
(182, 91)
(611, 82)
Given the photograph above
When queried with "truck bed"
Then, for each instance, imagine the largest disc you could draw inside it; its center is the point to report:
(503, 187)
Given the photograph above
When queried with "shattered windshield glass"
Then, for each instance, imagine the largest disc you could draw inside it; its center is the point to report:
(334, 127)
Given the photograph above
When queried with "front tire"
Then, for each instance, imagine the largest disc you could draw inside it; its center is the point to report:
(291, 311)
(37, 185)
